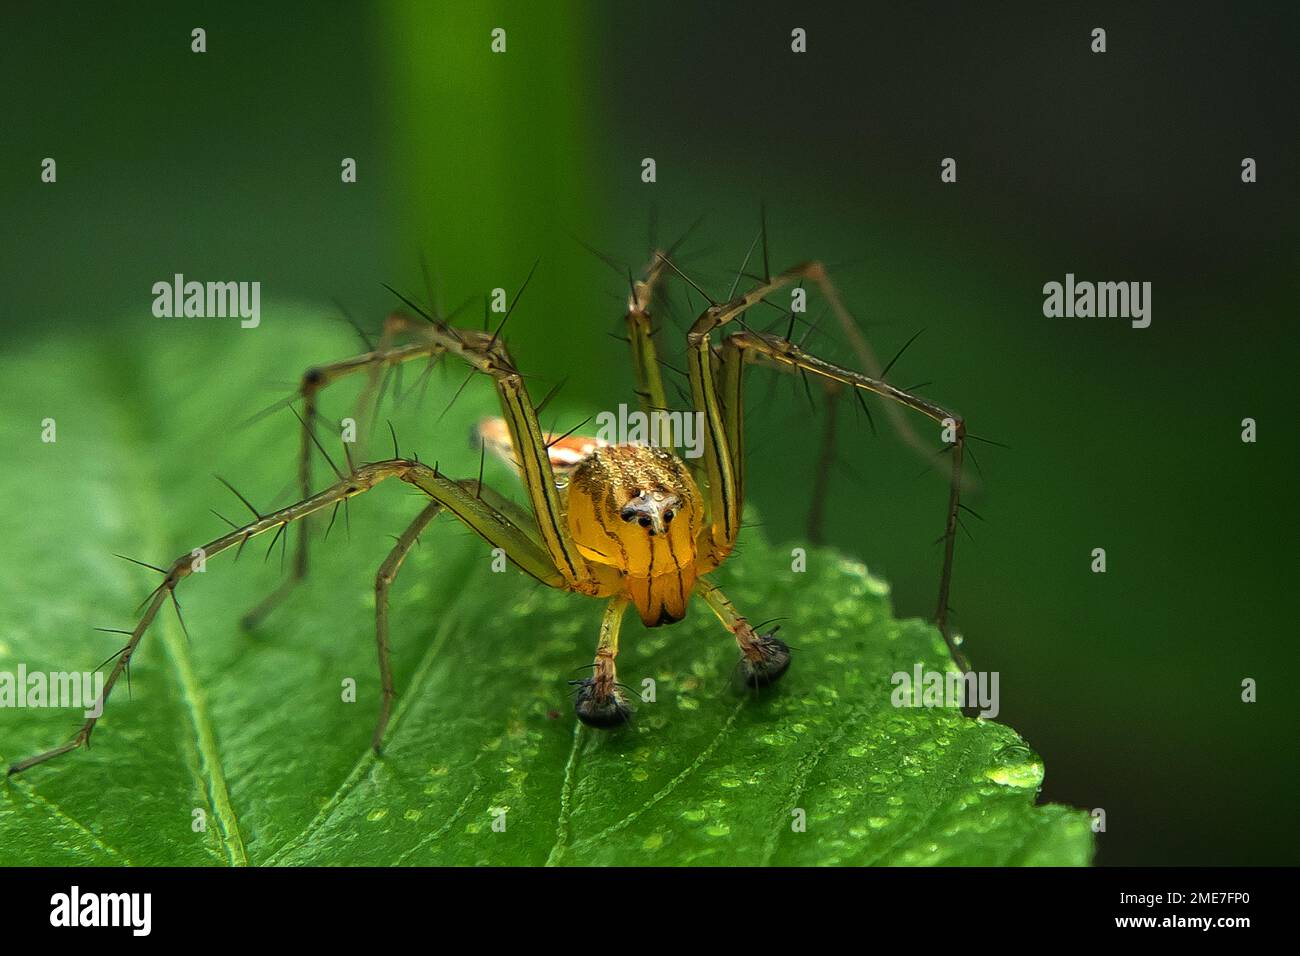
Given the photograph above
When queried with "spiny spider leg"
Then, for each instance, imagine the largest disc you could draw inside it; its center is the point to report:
(517, 543)
(716, 390)
(510, 512)
(314, 380)
(763, 658)
(482, 351)
(645, 359)
(866, 356)
(780, 350)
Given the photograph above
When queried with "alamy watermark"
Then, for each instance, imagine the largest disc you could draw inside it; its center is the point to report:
(133, 911)
(208, 300)
(922, 688)
(658, 429)
(1104, 300)
(84, 690)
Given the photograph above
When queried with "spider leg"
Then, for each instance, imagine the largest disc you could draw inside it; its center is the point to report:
(485, 353)
(763, 658)
(396, 324)
(716, 389)
(716, 394)
(952, 424)
(600, 701)
(515, 536)
(821, 478)
(816, 273)
(384, 578)
(489, 355)
(473, 510)
(645, 359)
(312, 382)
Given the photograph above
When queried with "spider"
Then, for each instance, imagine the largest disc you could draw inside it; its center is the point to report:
(627, 523)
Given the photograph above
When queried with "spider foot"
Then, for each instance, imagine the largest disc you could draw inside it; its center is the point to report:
(765, 661)
(601, 704)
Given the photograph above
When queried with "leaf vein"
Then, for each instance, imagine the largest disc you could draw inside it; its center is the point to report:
(368, 758)
(808, 765)
(671, 785)
(63, 817)
(566, 797)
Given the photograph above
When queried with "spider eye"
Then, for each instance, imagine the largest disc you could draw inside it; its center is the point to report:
(644, 522)
(668, 515)
(627, 514)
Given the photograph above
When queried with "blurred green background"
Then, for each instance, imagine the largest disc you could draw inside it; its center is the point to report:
(1122, 166)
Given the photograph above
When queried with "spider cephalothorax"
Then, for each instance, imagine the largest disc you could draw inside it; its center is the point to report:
(637, 509)
(628, 522)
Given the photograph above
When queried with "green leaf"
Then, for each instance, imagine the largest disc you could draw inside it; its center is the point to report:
(252, 728)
